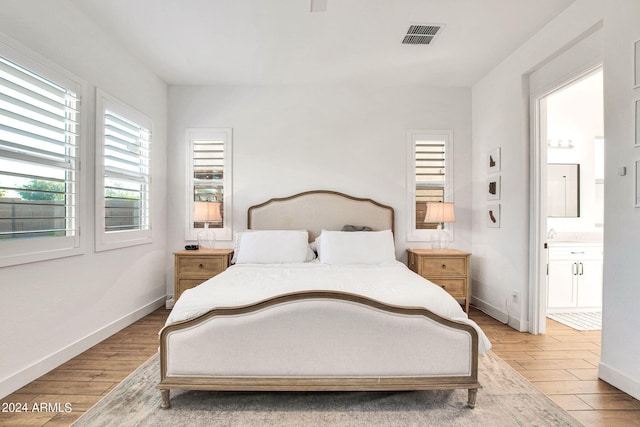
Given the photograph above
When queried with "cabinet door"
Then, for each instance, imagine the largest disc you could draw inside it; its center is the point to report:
(561, 286)
(590, 283)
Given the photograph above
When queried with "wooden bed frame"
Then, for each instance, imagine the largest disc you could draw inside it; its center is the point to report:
(433, 342)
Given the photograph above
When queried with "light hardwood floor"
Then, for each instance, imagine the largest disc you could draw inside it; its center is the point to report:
(562, 364)
(85, 379)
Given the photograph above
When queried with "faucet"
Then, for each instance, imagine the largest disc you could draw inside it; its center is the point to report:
(551, 234)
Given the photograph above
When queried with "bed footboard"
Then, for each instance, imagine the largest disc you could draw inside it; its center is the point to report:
(318, 341)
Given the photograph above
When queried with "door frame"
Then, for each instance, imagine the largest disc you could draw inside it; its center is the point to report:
(538, 253)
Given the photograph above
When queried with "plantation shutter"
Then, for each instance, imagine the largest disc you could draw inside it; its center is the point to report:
(430, 176)
(39, 160)
(126, 174)
(208, 175)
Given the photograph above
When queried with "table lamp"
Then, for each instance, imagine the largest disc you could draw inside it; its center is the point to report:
(207, 212)
(440, 212)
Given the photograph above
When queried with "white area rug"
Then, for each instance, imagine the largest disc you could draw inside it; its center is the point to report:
(582, 321)
(507, 399)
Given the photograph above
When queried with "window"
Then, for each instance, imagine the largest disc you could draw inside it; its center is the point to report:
(39, 162)
(209, 182)
(429, 177)
(123, 185)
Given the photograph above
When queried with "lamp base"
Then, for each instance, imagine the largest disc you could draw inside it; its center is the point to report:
(440, 239)
(207, 239)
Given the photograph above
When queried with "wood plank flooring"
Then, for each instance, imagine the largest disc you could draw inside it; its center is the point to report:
(85, 379)
(562, 364)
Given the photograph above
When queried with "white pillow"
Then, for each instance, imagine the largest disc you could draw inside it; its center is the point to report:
(271, 246)
(356, 247)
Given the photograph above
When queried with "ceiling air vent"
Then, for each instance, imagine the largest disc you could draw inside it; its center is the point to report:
(422, 33)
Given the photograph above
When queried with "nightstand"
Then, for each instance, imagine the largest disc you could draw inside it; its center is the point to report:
(447, 268)
(194, 267)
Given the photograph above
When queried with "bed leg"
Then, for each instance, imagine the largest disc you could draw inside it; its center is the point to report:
(166, 403)
(473, 392)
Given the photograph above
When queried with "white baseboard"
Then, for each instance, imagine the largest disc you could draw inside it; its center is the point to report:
(499, 314)
(12, 383)
(619, 380)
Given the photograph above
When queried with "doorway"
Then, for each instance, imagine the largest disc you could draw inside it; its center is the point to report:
(570, 139)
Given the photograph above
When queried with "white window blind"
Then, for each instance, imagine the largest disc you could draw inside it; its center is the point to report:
(39, 160)
(209, 182)
(208, 177)
(126, 174)
(123, 181)
(430, 178)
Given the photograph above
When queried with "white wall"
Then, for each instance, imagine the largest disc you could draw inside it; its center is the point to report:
(621, 321)
(53, 310)
(500, 108)
(500, 119)
(289, 139)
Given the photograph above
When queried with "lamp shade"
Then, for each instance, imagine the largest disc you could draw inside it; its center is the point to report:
(207, 211)
(440, 212)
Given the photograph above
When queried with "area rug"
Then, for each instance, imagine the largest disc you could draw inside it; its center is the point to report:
(581, 321)
(506, 399)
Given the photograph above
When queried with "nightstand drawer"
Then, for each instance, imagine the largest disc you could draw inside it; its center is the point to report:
(201, 266)
(184, 284)
(443, 267)
(192, 268)
(455, 287)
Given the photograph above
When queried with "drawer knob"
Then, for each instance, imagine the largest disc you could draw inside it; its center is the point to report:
(201, 266)
(442, 286)
(444, 266)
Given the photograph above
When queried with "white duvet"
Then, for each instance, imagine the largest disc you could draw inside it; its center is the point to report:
(391, 283)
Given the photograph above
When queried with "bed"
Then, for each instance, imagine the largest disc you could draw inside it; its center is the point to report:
(350, 318)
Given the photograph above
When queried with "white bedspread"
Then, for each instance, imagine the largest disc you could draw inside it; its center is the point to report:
(391, 283)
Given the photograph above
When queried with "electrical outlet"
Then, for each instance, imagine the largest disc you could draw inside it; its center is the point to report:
(515, 296)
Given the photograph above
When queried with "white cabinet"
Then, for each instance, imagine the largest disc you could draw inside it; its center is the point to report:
(574, 277)
(561, 288)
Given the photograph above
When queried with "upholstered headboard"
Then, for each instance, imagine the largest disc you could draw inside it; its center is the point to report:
(319, 210)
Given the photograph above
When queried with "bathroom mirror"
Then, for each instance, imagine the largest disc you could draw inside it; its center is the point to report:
(563, 190)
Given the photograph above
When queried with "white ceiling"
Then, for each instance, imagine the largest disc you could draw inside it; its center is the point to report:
(245, 42)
